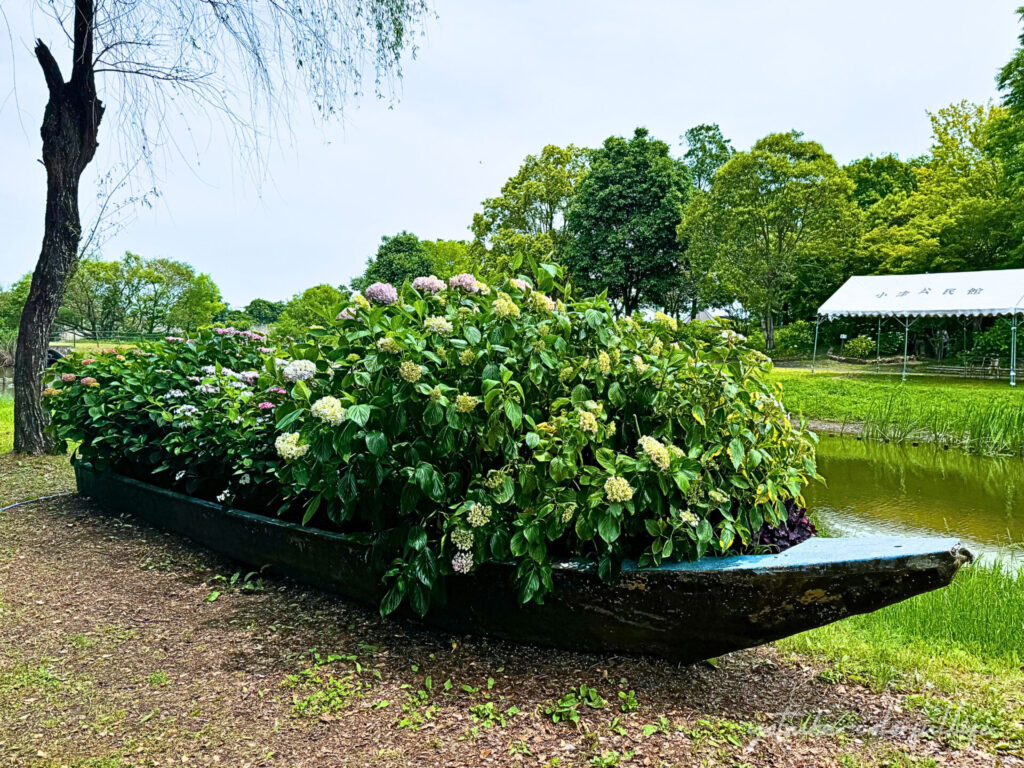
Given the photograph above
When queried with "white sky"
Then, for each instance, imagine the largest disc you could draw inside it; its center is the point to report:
(495, 81)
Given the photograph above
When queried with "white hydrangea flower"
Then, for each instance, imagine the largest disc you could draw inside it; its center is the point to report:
(329, 410)
(299, 370)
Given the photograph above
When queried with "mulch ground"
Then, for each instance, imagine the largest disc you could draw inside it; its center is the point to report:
(115, 652)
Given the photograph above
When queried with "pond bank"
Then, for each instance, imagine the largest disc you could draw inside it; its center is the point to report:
(121, 643)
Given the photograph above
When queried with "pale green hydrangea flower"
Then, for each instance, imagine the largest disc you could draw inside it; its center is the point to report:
(618, 489)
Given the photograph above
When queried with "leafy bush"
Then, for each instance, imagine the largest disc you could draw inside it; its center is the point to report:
(465, 426)
(860, 347)
(995, 342)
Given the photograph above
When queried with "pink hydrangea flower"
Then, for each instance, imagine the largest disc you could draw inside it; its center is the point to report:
(89, 360)
(265, 406)
(173, 338)
(67, 378)
(345, 314)
(267, 350)
(381, 293)
(431, 284)
(464, 282)
(277, 391)
(89, 381)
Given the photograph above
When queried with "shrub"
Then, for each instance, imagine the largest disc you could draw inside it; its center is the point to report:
(461, 427)
(860, 347)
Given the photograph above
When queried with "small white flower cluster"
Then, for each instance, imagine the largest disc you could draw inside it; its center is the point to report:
(462, 562)
(186, 411)
(329, 410)
(208, 389)
(604, 363)
(462, 538)
(288, 447)
(174, 394)
(299, 370)
(688, 517)
(639, 364)
(656, 452)
(478, 515)
(389, 345)
(409, 371)
(618, 489)
(542, 303)
(588, 422)
(439, 325)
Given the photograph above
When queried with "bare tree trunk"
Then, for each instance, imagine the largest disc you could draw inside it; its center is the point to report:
(72, 117)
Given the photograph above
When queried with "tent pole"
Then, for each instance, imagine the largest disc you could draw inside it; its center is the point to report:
(878, 347)
(906, 336)
(814, 355)
(1013, 352)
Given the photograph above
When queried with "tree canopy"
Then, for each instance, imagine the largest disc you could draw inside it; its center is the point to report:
(528, 218)
(623, 222)
(779, 216)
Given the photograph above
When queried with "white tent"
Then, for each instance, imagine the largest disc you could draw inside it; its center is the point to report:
(947, 294)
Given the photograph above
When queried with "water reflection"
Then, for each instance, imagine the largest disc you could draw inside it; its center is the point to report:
(925, 490)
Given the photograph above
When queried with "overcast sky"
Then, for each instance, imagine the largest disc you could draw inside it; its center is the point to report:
(494, 81)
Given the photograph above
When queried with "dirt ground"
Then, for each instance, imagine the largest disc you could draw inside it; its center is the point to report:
(123, 646)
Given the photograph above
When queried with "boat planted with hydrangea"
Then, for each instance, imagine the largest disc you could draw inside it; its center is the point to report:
(683, 611)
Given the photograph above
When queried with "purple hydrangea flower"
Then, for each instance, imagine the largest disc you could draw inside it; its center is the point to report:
(465, 282)
(431, 284)
(381, 293)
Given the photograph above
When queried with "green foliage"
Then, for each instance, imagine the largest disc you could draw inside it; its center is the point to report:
(861, 347)
(1006, 139)
(623, 223)
(528, 219)
(957, 217)
(234, 318)
(707, 151)
(138, 295)
(11, 302)
(776, 223)
(199, 303)
(314, 306)
(399, 258)
(465, 427)
(878, 178)
(264, 312)
(567, 708)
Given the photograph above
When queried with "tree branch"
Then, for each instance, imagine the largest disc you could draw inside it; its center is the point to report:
(51, 69)
(85, 20)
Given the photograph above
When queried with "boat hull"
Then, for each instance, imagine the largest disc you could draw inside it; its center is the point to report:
(681, 611)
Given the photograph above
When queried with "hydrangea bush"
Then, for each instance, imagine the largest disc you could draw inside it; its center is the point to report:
(450, 426)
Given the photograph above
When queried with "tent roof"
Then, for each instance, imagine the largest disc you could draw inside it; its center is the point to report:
(993, 292)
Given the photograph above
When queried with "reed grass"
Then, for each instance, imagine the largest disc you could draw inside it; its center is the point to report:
(975, 416)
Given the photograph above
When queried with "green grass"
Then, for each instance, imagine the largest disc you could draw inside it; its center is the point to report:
(958, 649)
(984, 417)
(6, 424)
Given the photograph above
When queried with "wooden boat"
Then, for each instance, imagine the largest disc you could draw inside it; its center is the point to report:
(682, 611)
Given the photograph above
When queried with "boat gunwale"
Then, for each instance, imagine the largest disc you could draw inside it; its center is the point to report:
(867, 548)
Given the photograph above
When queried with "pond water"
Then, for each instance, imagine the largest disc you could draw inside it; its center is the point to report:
(878, 488)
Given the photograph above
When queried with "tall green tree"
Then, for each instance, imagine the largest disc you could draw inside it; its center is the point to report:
(528, 218)
(264, 312)
(781, 221)
(622, 223)
(707, 151)
(198, 304)
(399, 258)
